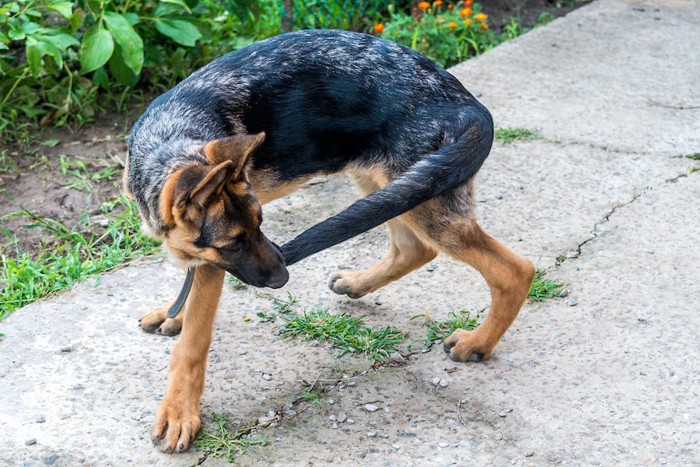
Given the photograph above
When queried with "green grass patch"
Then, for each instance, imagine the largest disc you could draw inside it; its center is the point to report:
(221, 442)
(694, 157)
(439, 330)
(346, 333)
(508, 135)
(73, 254)
(281, 307)
(543, 289)
(236, 283)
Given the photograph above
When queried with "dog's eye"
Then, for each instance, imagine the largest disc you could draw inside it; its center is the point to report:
(235, 244)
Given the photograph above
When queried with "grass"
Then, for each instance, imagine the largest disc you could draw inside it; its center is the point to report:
(439, 330)
(694, 157)
(543, 289)
(236, 283)
(346, 333)
(281, 307)
(508, 135)
(72, 255)
(221, 442)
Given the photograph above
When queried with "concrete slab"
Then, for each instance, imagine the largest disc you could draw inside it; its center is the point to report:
(620, 75)
(613, 379)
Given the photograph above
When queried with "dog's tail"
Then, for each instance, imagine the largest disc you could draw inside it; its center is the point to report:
(433, 175)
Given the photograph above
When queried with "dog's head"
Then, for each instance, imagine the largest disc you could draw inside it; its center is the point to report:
(214, 216)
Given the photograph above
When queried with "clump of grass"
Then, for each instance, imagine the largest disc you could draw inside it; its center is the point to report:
(694, 157)
(348, 334)
(73, 255)
(439, 330)
(221, 442)
(508, 135)
(543, 289)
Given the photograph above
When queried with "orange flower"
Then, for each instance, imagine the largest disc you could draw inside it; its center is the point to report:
(378, 28)
(453, 25)
(467, 22)
(465, 12)
(437, 3)
(468, 2)
(449, 6)
(423, 6)
(480, 17)
(484, 26)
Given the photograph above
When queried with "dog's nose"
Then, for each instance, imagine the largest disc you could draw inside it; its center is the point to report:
(278, 279)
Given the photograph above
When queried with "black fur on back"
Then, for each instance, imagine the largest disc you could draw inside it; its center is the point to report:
(326, 100)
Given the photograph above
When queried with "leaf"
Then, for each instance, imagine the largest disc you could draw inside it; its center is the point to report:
(132, 18)
(76, 21)
(65, 9)
(33, 55)
(60, 39)
(180, 3)
(29, 28)
(119, 69)
(48, 48)
(130, 43)
(51, 142)
(182, 32)
(96, 49)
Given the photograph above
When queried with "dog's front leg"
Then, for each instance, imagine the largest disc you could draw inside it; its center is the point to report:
(177, 419)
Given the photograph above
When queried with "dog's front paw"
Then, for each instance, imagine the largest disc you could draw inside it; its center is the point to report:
(176, 425)
(156, 321)
(347, 283)
(467, 346)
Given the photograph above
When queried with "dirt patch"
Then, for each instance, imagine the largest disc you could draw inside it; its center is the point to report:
(528, 13)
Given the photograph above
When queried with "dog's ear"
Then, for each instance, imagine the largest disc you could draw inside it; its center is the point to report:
(199, 185)
(235, 148)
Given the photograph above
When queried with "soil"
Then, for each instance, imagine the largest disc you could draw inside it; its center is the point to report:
(33, 178)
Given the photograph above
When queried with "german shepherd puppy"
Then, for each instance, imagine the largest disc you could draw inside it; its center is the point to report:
(258, 123)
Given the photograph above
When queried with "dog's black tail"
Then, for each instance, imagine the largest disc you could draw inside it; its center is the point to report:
(433, 175)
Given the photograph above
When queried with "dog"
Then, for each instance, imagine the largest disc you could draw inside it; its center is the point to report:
(256, 124)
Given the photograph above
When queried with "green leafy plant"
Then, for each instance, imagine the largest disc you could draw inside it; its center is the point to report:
(221, 442)
(543, 289)
(509, 135)
(439, 330)
(348, 334)
(446, 32)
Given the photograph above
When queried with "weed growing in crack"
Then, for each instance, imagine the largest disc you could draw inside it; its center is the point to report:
(439, 330)
(221, 442)
(543, 289)
(282, 307)
(348, 334)
(694, 157)
(508, 135)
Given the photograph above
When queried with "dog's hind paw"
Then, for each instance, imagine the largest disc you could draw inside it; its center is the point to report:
(156, 321)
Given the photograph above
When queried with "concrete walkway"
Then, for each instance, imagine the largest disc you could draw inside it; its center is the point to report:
(608, 375)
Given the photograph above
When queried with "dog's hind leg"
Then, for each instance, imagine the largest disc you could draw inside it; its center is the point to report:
(156, 321)
(177, 419)
(452, 230)
(407, 254)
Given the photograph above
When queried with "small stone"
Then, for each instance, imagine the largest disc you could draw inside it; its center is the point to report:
(333, 418)
(571, 302)
(397, 358)
(443, 445)
(529, 454)
(377, 302)
(51, 460)
(499, 436)
(66, 348)
(342, 417)
(502, 414)
(425, 350)
(372, 434)
(40, 419)
(350, 421)
(361, 454)
(443, 383)
(371, 408)
(431, 267)
(335, 425)
(331, 401)
(564, 293)
(396, 446)
(351, 383)
(30, 441)
(267, 376)
(435, 381)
